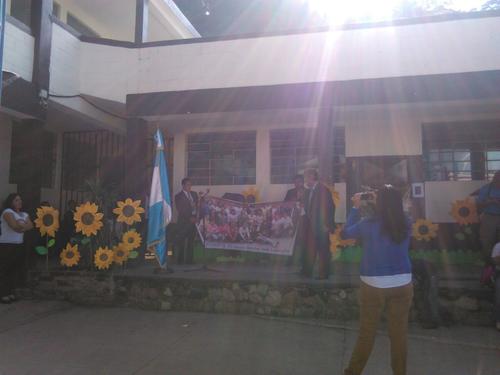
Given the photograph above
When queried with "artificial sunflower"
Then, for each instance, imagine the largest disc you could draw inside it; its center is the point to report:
(47, 220)
(334, 245)
(464, 211)
(103, 258)
(129, 211)
(424, 230)
(251, 192)
(88, 220)
(343, 242)
(70, 256)
(120, 254)
(131, 240)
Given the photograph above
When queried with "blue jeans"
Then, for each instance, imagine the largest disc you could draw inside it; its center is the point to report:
(497, 295)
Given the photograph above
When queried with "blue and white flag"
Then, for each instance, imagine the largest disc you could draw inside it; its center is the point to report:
(160, 208)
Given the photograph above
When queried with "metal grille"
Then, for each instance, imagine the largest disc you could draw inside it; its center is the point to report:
(90, 158)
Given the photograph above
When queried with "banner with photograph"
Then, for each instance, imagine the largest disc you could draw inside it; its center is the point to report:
(258, 227)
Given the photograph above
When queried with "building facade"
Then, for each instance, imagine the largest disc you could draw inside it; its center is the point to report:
(413, 102)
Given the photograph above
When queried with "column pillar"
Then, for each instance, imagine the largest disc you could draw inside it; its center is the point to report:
(42, 29)
(141, 21)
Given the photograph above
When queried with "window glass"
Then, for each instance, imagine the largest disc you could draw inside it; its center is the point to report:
(222, 158)
(21, 10)
(461, 151)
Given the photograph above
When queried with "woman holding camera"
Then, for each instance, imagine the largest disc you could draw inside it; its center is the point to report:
(13, 224)
(385, 276)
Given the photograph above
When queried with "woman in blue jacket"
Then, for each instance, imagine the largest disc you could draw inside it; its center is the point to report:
(385, 276)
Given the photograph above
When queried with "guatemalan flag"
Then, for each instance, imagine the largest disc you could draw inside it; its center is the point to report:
(160, 208)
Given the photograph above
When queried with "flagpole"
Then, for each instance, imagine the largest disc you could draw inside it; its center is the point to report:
(160, 207)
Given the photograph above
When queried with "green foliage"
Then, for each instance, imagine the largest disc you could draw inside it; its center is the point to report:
(41, 250)
(133, 254)
(51, 242)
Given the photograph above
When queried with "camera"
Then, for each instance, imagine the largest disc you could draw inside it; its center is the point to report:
(367, 196)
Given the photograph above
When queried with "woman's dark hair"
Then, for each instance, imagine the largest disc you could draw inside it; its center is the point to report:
(7, 203)
(390, 212)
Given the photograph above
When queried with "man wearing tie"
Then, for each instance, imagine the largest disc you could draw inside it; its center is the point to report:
(319, 223)
(186, 203)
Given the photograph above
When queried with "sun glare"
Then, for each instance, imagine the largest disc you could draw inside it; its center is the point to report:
(351, 11)
(340, 11)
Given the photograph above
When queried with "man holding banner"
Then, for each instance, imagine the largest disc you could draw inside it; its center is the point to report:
(186, 203)
(319, 223)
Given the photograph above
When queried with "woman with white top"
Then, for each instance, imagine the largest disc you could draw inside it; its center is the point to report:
(13, 224)
(385, 276)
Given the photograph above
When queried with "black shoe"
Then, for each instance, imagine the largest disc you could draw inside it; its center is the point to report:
(5, 300)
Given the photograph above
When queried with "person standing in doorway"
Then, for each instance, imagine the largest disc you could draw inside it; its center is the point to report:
(385, 273)
(319, 223)
(186, 203)
(13, 223)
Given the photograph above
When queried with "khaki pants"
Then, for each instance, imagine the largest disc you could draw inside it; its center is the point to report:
(489, 234)
(372, 301)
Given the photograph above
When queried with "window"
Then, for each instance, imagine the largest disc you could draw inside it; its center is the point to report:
(461, 151)
(56, 10)
(222, 158)
(21, 10)
(292, 151)
(80, 26)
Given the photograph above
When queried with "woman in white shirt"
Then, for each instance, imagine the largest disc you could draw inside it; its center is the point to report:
(13, 224)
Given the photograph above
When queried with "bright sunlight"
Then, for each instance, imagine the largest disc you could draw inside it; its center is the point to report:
(341, 11)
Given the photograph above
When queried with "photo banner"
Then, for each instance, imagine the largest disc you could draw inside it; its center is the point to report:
(267, 228)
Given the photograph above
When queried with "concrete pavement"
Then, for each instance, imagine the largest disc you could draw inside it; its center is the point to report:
(45, 338)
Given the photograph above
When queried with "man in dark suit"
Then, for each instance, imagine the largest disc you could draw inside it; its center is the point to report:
(186, 203)
(320, 222)
(297, 195)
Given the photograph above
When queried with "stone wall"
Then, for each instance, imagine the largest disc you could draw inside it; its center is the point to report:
(458, 306)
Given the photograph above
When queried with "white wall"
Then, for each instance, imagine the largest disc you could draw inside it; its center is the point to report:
(18, 51)
(65, 60)
(440, 195)
(5, 145)
(422, 49)
(376, 138)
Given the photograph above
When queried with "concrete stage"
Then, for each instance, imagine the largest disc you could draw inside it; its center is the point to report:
(272, 290)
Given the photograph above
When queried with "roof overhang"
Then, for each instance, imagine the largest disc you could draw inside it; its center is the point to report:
(20, 97)
(380, 91)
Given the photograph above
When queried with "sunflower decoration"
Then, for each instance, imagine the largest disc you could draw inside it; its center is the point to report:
(103, 258)
(47, 220)
(343, 242)
(70, 256)
(334, 245)
(424, 230)
(131, 240)
(128, 211)
(464, 211)
(88, 220)
(251, 191)
(335, 194)
(120, 254)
